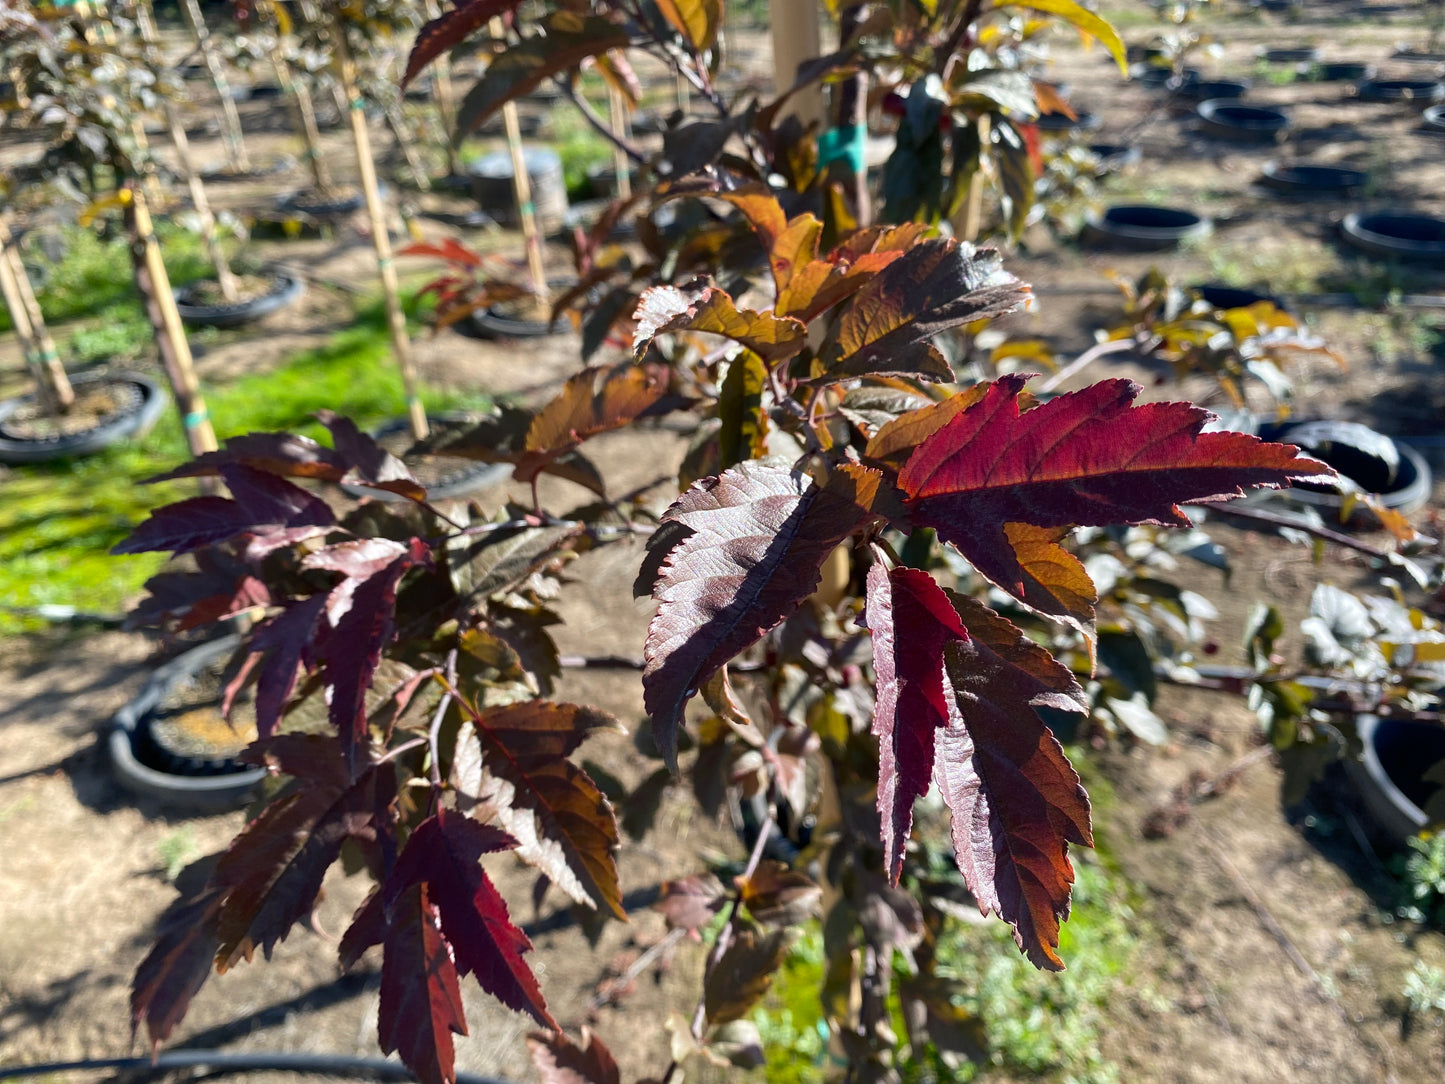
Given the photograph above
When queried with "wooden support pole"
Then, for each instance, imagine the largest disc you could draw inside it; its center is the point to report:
(522, 186)
(298, 98)
(225, 278)
(155, 290)
(797, 37)
(39, 347)
(380, 238)
(621, 164)
(236, 157)
(397, 123)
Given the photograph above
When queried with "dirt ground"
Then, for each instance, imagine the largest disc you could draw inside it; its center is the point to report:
(1267, 950)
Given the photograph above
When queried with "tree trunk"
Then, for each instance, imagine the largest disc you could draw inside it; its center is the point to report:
(52, 385)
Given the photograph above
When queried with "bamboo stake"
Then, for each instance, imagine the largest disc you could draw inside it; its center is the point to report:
(397, 123)
(35, 340)
(381, 239)
(621, 164)
(522, 186)
(441, 85)
(236, 157)
(225, 277)
(175, 350)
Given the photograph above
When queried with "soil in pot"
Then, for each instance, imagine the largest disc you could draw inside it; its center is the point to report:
(1145, 227)
(1224, 119)
(202, 303)
(1400, 235)
(187, 734)
(248, 288)
(444, 476)
(1219, 296)
(1302, 54)
(1397, 774)
(1307, 181)
(1213, 89)
(95, 404)
(337, 200)
(1163, 78)
(1341, 71)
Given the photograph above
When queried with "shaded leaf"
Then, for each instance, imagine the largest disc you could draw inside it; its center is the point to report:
(567, 40)
(757, 536)
(179, 962)
(743, 433)
(690, 903)
(285, 641)
(259, 502)
(220, 586)
(444, 853)
(778, 896)
(594, 401)
(368, 927)
(1084, 458)
(935, 286)
(562, 822)
(421, 1000)
(1016, 801)
(911, 621)
(449, 30)
(483, 564)
(743, 974)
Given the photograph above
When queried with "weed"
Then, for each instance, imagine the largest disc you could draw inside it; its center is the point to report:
(1424, 988)
(176, 851)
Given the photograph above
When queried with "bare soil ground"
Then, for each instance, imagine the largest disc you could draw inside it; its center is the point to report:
(1267, 954)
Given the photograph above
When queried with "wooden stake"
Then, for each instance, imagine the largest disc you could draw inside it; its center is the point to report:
(25, 334)
(621, 164)
(236, 157)
(380, 238)
(155, 290)
(522, 186)
(796, 38)
(397, 123)
(225, 278)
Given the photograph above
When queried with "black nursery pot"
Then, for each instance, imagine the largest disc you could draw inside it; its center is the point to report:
(1062, 122)
(1342, 71)
(1219, 296)
(1213, 89)
(1312, 182)
(285, 288)
(1433, 119)
(1418, 91)
(140, 402)
(1145, 228)
(1225, 119)
(1304, 54)
(1161, 78)
(1390, 774)
(1396, 473)
(1397, 235)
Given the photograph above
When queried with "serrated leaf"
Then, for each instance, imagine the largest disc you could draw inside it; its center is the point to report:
(698, 21)
(1016, 801)
(665, 310)
(368, 927)
(1087, 458)
(559, 1060)
(895, 441)
(259, 503)
(756, 538)
(180, 960)
(421, 1000)
(936, 285)
(911, 620)
(592, 402)
(561, 821)
(220, 586)
(444, 853)
(743, 974)
(450, 30)
(285, 641)
(271, 874)
(566, 42)
(483, 564)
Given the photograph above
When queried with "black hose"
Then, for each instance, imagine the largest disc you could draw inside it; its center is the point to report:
(219, 1063)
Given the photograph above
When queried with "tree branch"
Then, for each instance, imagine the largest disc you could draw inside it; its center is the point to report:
(569, 88)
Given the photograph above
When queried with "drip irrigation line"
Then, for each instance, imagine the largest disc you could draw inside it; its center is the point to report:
(222, 1063)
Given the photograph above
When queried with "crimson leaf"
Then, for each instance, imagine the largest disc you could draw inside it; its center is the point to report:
(561, 1061)
(911, 621)
(448, 30)
(444, 853)
(744, 550)
(421, 1000)
(1086, 458)
(286, 640)
(1016, 801)
(179, 962)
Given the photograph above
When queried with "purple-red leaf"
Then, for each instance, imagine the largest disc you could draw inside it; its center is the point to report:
(286, 640)
(368, 928)
(179, 962)
(421, 1000)
(449, 30)
(445, 852)
(562, 822)
(259, 503)
(561, 1061)
(1087, 458)
(220, 586)
(911, 621)
(936, 285)
(1017, 803)
(751, 544)
(358, 637)
(272, 872)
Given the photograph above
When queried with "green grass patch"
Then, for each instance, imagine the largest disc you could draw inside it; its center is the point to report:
(58, 521)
